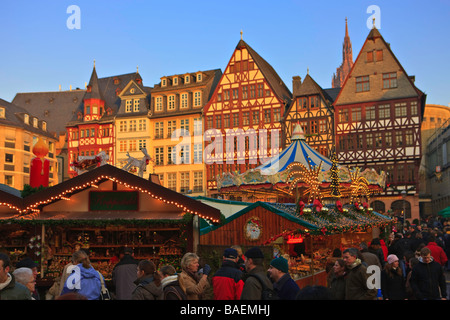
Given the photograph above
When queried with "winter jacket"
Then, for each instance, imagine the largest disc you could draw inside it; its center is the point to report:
(123, 277)
(227, 282)
(356, 283)
(437, 253)
(172, 289)
(85, 281)
(286, 288)
(393, 285)
(12, 290)
(146, 289)
(428, 281)
(194, 284)
(252, 287)
(336, 284)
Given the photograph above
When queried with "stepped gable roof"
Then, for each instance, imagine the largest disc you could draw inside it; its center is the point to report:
(372, 36)
(14, 117)
(269, 73)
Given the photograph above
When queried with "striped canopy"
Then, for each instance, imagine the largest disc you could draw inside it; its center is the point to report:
(298, 151)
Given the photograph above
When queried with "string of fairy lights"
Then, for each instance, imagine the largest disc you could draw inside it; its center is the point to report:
(32, 211)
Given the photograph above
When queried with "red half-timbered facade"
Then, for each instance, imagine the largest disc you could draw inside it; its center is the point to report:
(378, 115)
(91, 129)
(242, 120)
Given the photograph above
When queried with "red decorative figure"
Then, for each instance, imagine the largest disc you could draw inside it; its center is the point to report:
(39, 166)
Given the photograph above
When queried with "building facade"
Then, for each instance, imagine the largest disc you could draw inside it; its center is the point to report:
(19, 132)
(312, 108)
(378, 114)
(176, 129)
(92, 128)
(132, 125)
(242, 120)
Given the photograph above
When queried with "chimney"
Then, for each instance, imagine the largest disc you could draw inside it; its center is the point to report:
(296, 84)
(70, 88)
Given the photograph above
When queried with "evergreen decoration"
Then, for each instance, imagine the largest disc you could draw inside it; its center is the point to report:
(335, 192)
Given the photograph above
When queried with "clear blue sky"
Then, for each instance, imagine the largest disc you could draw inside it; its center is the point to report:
(39, 52)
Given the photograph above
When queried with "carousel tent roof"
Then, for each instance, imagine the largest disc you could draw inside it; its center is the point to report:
(298, 151)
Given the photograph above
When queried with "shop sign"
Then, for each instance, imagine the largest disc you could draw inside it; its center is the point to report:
(294, 239)
(113, 200)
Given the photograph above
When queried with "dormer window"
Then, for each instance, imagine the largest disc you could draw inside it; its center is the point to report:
(164, 82)
(175, 81)
(199, 77)
(187, 79)
(26, 119)
(44, 125)
(2, 113)
(35, 122)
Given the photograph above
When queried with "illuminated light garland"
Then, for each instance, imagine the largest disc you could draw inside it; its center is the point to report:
(62, 196)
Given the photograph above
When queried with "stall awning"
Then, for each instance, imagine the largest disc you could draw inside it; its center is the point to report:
(108, 215)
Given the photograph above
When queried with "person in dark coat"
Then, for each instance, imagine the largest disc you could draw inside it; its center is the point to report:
(336, 281)
(148, 282)
(227, 281)
(124, 275)
(9, 288)
(393, 284)
(283, 284)
(172, 289)
(356, 277)
(427, 278)
(253, 289)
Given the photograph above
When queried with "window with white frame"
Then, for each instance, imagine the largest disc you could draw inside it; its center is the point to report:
(158, 104)
(172, 181)
(184, 181)
(26, 119)
(142, 144)
(198, 126)
(142, 125)
(186, 79)
(122, 126)
(184, 100)
(171, 127)
(159, 156)
(128, 105)
(159, 130)
(198, 181)
(171, 104)
(185, 127)
(198, 153)
(136, 105)
(35, 122)
(197, 98)
(175, 81)
(199, 77)
(132, 125)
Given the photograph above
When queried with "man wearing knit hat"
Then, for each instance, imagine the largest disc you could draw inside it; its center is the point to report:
(253, 287)
(284, 285)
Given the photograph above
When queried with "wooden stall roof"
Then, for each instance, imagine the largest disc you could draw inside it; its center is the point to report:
(27, 206)
(282, 217)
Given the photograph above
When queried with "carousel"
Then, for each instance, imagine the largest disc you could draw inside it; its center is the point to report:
(300, 173)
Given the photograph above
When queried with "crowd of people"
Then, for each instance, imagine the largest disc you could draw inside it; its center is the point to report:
(411, 264)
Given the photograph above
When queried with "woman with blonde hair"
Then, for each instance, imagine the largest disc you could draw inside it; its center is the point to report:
(194, 283)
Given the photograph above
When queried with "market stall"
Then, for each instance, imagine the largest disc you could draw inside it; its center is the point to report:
(305, 237)
(100, 211)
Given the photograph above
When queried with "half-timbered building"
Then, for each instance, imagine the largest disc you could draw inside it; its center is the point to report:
(243, 117)
(312, 108)
(378, 115)
(91, 129)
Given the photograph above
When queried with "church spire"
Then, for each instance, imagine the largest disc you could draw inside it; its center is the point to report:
(347, 61)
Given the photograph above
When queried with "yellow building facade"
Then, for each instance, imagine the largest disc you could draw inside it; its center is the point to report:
(176, 130)
(19, 131)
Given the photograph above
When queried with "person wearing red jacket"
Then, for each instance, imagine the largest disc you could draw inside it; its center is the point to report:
(437, 252)
(227, 281)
